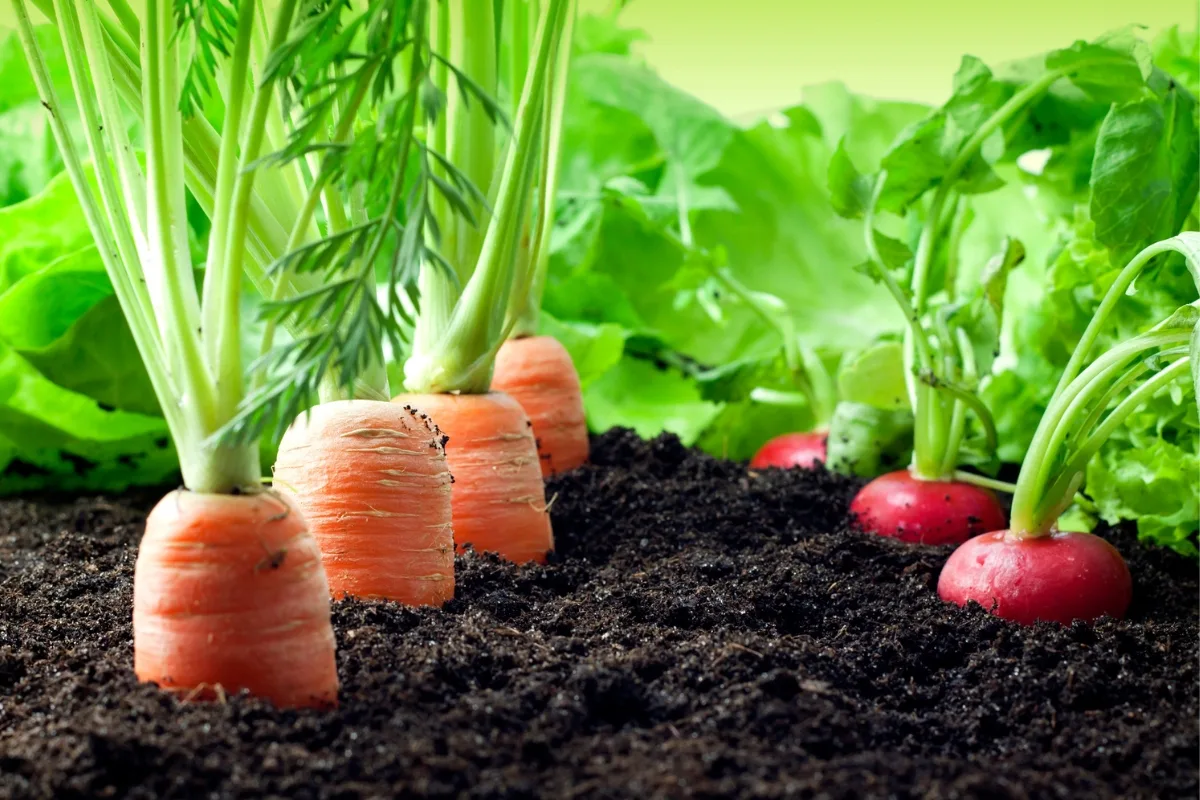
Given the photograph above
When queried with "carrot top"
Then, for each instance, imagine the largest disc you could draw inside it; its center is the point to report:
(477, 282)
(301, 181)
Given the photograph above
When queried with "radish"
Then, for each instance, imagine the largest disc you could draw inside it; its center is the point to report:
(932, 502)
(929, 176)
(1032, 571)
(1059, 578)
(803, 383)
(808, 382)
(907, 508)
(948, 348)
(812, 388)
(804, 450)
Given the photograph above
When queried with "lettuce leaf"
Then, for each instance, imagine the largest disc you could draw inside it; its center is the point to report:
(637, 153)
(29, 157)
(51, 437)
(77, 411)
(76, 406)
(1145, 475)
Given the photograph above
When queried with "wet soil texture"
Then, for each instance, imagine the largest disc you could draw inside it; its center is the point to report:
(701, 632)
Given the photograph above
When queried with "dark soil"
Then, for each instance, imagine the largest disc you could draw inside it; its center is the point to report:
(700, 633)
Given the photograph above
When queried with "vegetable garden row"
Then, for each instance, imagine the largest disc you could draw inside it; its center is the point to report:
(365, 274)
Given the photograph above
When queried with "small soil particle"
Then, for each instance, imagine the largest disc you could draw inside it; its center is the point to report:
(701, 632)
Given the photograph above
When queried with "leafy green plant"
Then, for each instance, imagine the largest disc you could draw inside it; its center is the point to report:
(953, 154)
(1033, 570)
(259, 180)
(1135, 185)
(694, 248)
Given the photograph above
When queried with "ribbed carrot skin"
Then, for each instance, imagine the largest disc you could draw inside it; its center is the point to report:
(229, 594)
(498, 498)
(538, 373)
(371, 478)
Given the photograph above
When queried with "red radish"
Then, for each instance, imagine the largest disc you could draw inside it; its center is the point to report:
(907, 508)
(805, 450)
(944, 358)
(1032, 571)
(1058, 578)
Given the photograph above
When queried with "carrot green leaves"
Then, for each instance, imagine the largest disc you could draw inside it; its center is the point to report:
(473, 288)
(302, 185)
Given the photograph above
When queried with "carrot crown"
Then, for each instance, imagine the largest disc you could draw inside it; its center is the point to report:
(302, 198)
(476, 285)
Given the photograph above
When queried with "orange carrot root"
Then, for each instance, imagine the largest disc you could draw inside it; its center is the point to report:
(229, 594)
(498, 499)
(372, 480)
(537, 372)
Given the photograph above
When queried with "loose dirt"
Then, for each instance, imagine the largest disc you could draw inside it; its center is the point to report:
(701, 632)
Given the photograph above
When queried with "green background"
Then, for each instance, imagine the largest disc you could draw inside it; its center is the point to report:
(751, 56)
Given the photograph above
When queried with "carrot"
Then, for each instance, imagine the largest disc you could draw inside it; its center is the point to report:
(229, 590)
(498, 499)
(470, 293)
(537, 372)
(229, 594)
(371, 477)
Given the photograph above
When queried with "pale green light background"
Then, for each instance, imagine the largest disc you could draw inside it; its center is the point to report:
(749, 56)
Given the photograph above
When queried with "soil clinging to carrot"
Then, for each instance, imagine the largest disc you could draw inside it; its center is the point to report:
(701, 632)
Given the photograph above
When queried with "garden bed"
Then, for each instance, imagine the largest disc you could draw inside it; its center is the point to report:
(700, 632)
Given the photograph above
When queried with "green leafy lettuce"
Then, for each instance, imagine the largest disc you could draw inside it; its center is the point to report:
(705, 245)
(76, 409)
